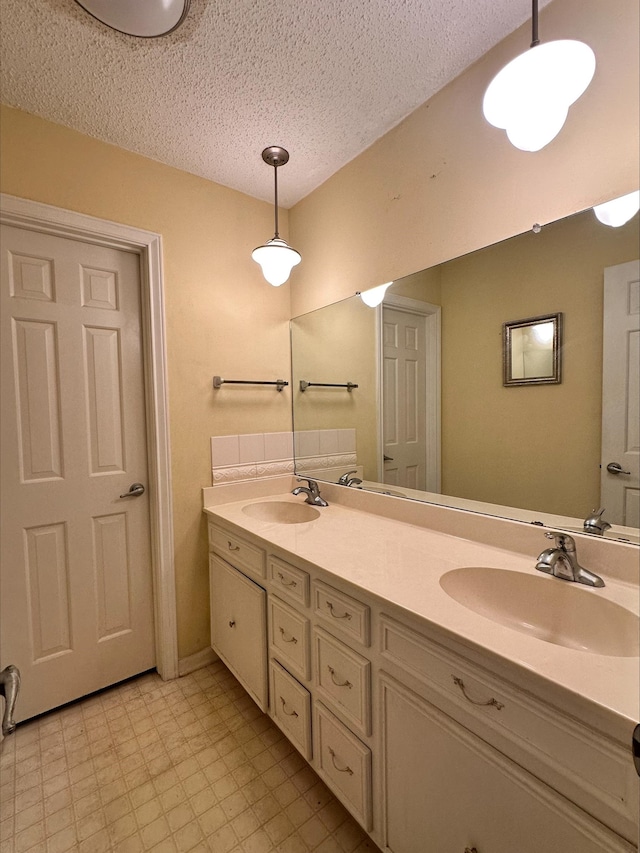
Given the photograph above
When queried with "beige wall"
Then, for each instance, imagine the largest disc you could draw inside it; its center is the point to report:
(221, 316)
(338, 344)
(444, 182)
(531, 447)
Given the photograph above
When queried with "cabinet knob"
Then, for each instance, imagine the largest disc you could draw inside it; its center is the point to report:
(470, 850)
(232, 623)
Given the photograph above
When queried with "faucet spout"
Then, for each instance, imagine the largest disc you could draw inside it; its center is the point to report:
(562, 562)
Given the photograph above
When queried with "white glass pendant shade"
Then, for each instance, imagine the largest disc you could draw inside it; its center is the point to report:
(143, 18)
(277, 259)
(375, 295)
(531, 96)
(619, 210)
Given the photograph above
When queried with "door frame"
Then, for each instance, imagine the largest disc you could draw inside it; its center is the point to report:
(432, 314)
(47, 219)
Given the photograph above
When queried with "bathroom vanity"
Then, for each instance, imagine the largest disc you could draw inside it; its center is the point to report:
(387, 640)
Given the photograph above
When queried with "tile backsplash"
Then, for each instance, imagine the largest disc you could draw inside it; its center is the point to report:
(236, 458)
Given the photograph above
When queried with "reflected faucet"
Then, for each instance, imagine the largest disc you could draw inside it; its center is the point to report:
(347, 480)
(312, 493)
(562, 561)
(595, 524)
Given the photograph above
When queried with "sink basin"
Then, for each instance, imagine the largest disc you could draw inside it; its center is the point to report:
(547, 608)
(281, 512)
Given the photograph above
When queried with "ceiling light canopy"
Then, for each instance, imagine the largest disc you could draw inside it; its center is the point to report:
(619, 210)
(531, 96)
(143, 18)
(276, 257)
(374, 295)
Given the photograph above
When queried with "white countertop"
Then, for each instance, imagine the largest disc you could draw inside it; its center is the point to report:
(402, 564)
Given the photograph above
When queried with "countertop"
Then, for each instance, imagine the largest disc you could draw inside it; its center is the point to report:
(402, 563)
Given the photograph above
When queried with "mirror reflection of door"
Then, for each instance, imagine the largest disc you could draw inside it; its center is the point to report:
(620, 492)
(411, 394)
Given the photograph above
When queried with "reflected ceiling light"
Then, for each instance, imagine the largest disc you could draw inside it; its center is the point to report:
(374, 295)
(531, 96)
(276, 258)
(619, 210)
(143, 18)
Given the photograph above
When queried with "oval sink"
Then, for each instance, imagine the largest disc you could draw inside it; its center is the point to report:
(547, 608)
(281, 512)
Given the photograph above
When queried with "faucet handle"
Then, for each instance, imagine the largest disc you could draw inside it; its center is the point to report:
(313, 486)
(562, 540)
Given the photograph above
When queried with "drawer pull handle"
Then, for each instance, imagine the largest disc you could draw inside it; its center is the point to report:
(233, 547)
(470, 850)
(490, 702)
(346, 769)
(332, 672)
(232, 623)
(286, 582)
(345, 615)
(292, 640)
(288, 713)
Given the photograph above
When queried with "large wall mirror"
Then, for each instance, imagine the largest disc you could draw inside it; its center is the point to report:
(409, 398)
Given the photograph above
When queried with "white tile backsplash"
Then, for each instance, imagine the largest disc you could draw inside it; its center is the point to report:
(256, 456)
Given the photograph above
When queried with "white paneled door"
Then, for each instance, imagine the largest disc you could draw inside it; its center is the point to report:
(76, 581)
(620, 463)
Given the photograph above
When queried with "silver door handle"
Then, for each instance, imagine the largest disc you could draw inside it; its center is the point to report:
(135, 490)
(616, 468)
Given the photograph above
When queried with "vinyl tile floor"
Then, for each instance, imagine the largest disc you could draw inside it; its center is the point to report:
(184, 765)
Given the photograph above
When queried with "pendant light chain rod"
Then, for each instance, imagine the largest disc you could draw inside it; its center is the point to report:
(534, 24)
(275, 184)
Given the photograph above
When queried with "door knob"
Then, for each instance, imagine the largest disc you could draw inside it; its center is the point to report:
(616, 468)
(135, 490)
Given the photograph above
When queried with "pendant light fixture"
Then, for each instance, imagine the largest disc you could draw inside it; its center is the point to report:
(531, 96)
(276, 257)
(618, 211)
(142, 18)
(374, 295)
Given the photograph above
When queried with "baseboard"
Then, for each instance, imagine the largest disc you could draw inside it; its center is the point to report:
(197, 661)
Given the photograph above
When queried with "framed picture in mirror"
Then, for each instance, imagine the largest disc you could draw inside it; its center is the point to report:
(531, 351)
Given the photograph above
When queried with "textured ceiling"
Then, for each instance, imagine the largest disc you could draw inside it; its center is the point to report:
(323, 78)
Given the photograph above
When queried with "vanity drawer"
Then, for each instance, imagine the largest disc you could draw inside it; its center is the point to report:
(594, 772)
(291, 708)
(289, 636)
(237, 551)
(344, 680)
(344, 613)
(344, 763)
(288, 580)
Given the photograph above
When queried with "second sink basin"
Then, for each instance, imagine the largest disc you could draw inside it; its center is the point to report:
(281, 512)
(547, 608)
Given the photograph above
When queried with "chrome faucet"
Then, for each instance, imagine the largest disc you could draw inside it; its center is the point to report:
(312, 493)
(347, 480)
(562, 561)
(595, 524)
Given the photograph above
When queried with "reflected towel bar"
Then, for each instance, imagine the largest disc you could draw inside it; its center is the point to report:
(348, 385)
(218, 382)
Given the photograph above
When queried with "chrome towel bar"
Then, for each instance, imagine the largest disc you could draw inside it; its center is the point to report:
(218, 382)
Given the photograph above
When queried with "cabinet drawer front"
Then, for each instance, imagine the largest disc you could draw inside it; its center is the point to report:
(238, 626)
(291, 708)
(289, 636)
(342, 612)
(288, 580)
(596, 773)
(344, 678)
(344, 763)
(237, 551)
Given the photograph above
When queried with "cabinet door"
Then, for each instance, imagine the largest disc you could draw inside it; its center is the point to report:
(239, 626)
(446, 791)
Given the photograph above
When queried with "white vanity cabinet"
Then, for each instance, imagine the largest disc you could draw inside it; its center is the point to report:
(428, 747)
(239, 613)
(447, 791)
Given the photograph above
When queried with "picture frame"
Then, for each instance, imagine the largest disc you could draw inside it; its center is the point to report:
(531, 350)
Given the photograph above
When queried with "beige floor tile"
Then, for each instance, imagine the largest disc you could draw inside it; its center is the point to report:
(189, 766)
